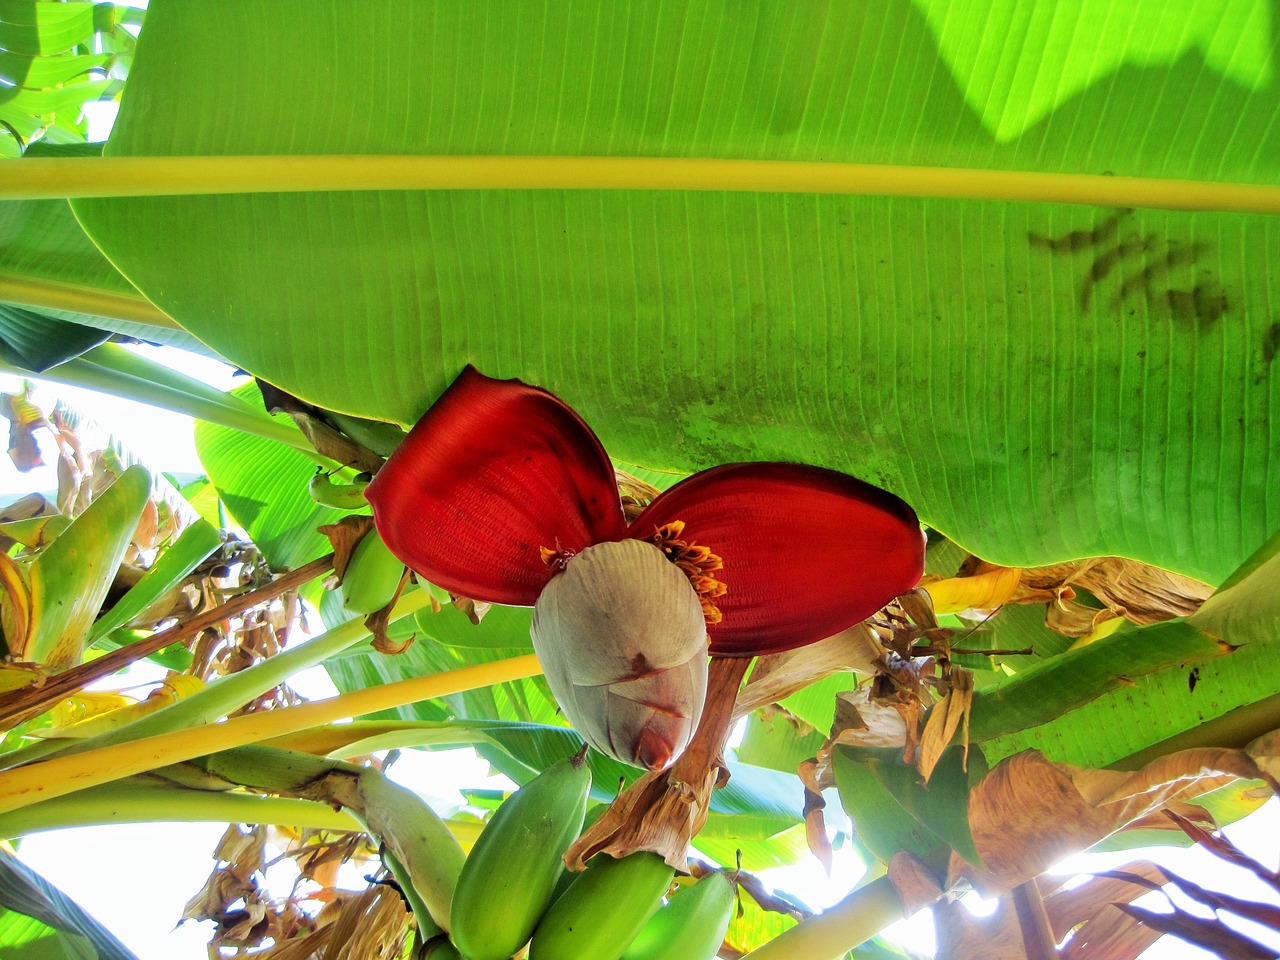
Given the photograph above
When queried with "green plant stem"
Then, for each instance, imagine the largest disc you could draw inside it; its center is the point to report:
(43, 178)
(136, 800)
(84, 372)
(77, 298)
(833, 933)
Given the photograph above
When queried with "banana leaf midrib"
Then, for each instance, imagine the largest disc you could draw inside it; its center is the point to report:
(45, 178)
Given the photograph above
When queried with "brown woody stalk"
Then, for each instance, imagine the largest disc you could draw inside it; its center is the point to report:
(1037, 936)
(663, 812)
(31, 701)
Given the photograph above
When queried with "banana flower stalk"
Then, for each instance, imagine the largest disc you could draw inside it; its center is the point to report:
(502, 493)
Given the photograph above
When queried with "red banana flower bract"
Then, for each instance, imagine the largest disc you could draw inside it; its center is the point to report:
(502, 493)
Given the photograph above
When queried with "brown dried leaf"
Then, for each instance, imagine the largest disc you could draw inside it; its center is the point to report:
(945, 718)
(244, 853)
(861, 721)
(223, 888)
(1112, 935)
(344, 535)
(1159, 820)
(910, 711)
(1068, 909)
(815, 829)
(473, 610)
(379, 622)
(1028, 812)
(326, 439)
(816, 775)
(779, 675)
(248, 926)
(1139, 592)
(635, 493)
(1212, 935)
(1075, 620)
(916, 885)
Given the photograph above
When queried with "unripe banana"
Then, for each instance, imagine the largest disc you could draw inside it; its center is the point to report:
(603, 909)
(342, 496)
(691, 926)
(440, 949)
(594, 812)
(371, 577)
(508, 879)
(418, 839)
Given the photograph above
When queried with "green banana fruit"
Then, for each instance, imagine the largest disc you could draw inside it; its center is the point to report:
(373, 573)
(342, 496)
(603, 910)
(691, 926)
(508, 879)
(424, 849)
(440, 949)
(594, 812)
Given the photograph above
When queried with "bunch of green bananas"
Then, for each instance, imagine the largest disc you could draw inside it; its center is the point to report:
(510, 891)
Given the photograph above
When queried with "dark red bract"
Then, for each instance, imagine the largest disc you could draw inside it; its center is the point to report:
(498, 470)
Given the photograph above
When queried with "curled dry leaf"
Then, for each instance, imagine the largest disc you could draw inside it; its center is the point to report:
(859, 721)
(1068, 909)
(815, 829)
(1137, 592)
(378, 623)
(473, 610)
(1029, 812)
(344, 535)
(635, 494)
(944, 720)
(1075, 620)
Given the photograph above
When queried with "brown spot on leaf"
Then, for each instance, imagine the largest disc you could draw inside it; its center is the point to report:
(1271, 343)
(1076, 240)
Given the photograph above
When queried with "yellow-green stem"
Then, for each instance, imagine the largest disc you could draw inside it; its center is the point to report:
(833, 933)
(78, 298)
(42, 178)
(61, 775)
(136, 800)
(131, 801)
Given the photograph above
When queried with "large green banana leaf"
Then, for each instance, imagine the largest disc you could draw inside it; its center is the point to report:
(46, 260)
(1042, 380)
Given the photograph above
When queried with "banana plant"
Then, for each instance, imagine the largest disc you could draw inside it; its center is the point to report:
(1012, 275)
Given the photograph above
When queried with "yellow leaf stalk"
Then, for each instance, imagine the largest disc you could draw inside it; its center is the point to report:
(834, 932)
(61, 775)
(47, 177)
